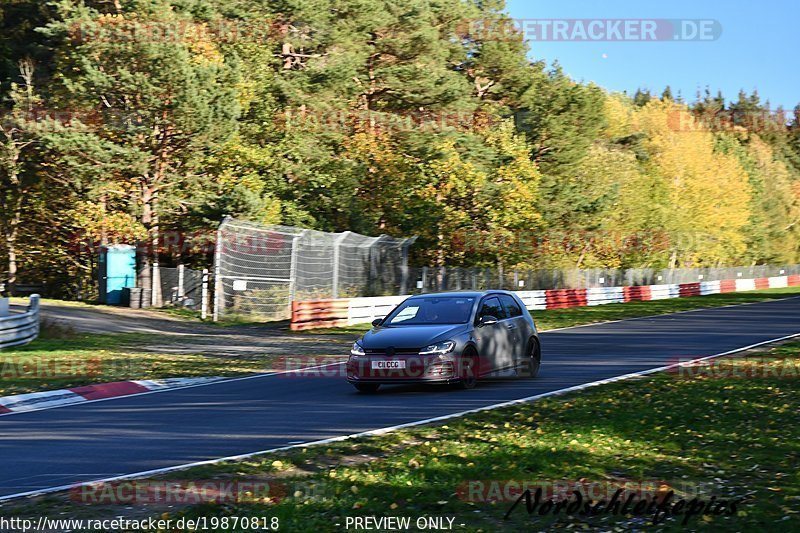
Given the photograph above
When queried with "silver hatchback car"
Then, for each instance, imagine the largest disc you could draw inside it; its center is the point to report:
(453, 337)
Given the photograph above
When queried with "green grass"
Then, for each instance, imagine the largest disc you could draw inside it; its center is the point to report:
(62, 358)
(737, 438)
(563, 318)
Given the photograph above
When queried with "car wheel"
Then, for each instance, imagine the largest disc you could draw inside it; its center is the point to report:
(367, 387)
(469, 372)
(530, 366)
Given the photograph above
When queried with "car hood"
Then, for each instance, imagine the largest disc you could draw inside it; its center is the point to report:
(409, 336)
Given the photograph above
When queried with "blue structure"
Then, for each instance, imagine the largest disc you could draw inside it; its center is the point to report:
(117, 270)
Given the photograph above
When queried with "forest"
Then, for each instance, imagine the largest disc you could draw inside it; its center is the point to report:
(147, 121)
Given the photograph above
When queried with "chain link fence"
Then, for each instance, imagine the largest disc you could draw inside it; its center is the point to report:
(171, 287)
(260, 269)
(427, 279)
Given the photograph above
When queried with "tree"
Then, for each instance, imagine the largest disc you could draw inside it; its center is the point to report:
(17, 177)
(165, 103)
(708, 192)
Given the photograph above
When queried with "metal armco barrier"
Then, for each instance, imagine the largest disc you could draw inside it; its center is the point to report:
(21, 328)
(330, 313)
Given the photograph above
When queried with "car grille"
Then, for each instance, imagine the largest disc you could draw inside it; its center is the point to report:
(390, 353)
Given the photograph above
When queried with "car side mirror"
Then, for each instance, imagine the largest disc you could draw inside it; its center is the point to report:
(377, 322)
(487, 320)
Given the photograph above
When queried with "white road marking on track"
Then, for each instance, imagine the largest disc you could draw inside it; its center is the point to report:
(381, 431)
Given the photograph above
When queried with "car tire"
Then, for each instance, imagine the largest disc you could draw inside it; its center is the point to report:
(470, 379)
(533, 360)
(367, 388)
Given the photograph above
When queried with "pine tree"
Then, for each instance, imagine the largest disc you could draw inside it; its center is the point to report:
(164, 103)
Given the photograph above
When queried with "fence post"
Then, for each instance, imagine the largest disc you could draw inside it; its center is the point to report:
(424, 278)
(336, 256)
(372, 283)
(181, 286)
(218, 287)
(293, 269)
(155, 293)
(404, 266)
(33, 307)
(204, 295)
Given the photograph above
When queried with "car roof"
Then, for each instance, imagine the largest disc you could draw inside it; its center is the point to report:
(475, 294)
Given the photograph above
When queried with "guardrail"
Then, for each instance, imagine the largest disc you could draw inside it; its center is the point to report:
(349, 311)
(21, 328)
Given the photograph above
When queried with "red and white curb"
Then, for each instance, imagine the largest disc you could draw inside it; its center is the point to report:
(35, 401)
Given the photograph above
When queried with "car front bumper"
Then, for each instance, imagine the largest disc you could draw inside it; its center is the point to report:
(442, 369)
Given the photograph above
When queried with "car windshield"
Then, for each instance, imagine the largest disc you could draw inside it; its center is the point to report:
(432, 310)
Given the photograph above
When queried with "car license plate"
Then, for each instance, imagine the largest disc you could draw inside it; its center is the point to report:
(388, 365)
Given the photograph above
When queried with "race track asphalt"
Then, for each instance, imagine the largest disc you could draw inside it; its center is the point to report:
(122, 436)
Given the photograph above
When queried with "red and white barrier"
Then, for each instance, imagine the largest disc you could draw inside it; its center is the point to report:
(534, 300)
(350, 311)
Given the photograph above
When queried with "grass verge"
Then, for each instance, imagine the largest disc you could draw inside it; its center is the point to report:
(728, 431)
(575, 316)
(61, 358)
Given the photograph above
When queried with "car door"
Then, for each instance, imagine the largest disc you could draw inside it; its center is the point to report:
(517, 327)
(494, 341)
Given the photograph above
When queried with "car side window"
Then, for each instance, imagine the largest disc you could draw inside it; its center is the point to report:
(492, 307)
(511, 305)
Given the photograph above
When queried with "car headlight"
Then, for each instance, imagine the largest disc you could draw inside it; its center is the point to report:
(356, 349)
(440, 348)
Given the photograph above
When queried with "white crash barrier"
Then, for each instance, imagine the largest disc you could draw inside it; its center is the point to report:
(605, 295)
(709, 287)
(663, 292)
(745, 285)
(364, 310)
(533, 300)
(778, 282)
